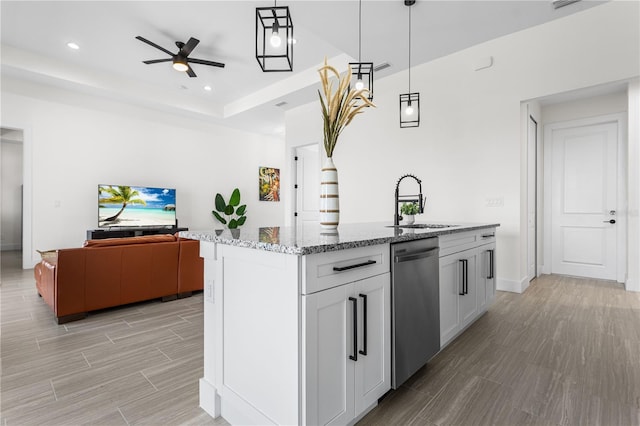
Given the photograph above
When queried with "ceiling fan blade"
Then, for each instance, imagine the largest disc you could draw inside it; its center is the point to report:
(150, 43)
(187, 48)
(190, 72)
(203, 62)
(155, 61)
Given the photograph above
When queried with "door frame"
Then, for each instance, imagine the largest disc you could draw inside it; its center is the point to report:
(621, 207)
(28, 261)
(294, 174)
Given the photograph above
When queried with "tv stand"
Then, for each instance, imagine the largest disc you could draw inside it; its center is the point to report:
(100, 234)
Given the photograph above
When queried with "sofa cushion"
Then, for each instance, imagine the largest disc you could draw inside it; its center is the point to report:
(145, 239)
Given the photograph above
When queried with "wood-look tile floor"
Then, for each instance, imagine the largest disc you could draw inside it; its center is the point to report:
(567, 351)
(138, 364)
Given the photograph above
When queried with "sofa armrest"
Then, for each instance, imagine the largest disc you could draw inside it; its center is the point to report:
(190, 266)
(44, 273)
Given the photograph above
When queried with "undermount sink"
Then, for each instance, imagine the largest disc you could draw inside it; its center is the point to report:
(422, 226)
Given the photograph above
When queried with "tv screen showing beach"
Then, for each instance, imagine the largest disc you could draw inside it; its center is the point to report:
(135, 206)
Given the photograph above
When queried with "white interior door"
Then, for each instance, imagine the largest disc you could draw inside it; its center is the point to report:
(584, 200)
(308, 185)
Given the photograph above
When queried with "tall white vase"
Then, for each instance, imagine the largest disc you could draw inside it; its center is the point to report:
(329, 197)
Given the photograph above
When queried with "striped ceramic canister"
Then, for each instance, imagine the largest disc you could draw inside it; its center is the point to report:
(329, 198)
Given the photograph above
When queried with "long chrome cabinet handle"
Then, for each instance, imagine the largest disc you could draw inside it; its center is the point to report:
(357, 265)
(354, 357)
(462, 261)
(364, 324)
(466, 276)
(490, 264)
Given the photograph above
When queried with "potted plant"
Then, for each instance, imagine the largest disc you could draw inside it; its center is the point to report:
(408, 212)
(234, 212)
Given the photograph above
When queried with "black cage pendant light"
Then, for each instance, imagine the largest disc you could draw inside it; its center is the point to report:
(274, 38)
(409, 102)
(361, 72)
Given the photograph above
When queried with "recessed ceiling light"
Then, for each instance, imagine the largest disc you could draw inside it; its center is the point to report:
(208, 88)
(292, 40)
(72, 45)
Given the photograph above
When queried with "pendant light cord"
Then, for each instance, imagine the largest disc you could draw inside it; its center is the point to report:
(409, 49)
(359, 31)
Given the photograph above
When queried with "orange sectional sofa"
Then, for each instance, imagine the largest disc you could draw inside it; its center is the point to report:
(118, 271)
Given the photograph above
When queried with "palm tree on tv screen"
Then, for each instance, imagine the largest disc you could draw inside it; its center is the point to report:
(121, 194)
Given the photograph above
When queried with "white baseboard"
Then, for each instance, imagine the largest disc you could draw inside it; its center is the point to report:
(209, 398)
(512, 285)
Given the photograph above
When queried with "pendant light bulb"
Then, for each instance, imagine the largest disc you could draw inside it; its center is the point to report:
(359, 83)
(409, 109)
(275, 39)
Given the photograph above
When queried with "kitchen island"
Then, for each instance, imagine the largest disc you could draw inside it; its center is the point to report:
(297, 325)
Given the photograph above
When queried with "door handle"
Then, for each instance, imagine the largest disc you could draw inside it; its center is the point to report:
(364, 324)
(354, 357)
(611, 221)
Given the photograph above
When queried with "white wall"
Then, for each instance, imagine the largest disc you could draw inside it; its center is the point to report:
(11, 190)
(584, 108)
(79, 141)
(468, 147)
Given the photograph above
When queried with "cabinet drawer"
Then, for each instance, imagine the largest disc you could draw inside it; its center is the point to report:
(326, 270)
(455, 243)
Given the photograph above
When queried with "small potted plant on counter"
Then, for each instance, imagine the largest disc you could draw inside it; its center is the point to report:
(234, 212)
(408, 212)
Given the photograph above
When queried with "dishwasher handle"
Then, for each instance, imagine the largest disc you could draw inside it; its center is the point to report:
(415, 255)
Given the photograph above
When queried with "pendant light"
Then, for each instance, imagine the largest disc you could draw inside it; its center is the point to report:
(274, 38)
(361, 72)
(409, 102)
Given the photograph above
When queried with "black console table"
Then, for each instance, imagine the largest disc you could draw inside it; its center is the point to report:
(99, 234)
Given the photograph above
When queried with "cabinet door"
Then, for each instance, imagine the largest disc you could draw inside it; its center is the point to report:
(450, 288)
(373, 366)
(328, 396)
(468, 302)
(487, 272)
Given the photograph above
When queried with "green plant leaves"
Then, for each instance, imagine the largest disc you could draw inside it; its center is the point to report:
(220, 203)
(220, 218)
(235, 198)
(230, 209)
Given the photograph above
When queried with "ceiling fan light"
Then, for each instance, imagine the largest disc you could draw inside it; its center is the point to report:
(179, 65)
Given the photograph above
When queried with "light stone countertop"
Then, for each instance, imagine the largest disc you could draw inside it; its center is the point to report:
(313, 239)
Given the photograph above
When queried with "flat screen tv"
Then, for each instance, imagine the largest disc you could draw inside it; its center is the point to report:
(136, 206)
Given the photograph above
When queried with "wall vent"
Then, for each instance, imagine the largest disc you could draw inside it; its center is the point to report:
(557, 4)
(381, 66)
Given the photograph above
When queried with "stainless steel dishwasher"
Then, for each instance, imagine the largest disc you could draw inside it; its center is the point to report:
(415, 320)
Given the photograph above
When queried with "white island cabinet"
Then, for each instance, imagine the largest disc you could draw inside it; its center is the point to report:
(467, 280)
(287, 344)
(297, 329)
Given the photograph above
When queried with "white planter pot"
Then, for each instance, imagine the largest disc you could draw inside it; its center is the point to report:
(408, 219)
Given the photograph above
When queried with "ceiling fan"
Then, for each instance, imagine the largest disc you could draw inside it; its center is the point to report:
(181, 59)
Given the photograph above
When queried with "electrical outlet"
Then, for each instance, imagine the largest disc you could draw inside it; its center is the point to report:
(495, 202)
(208, 291)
